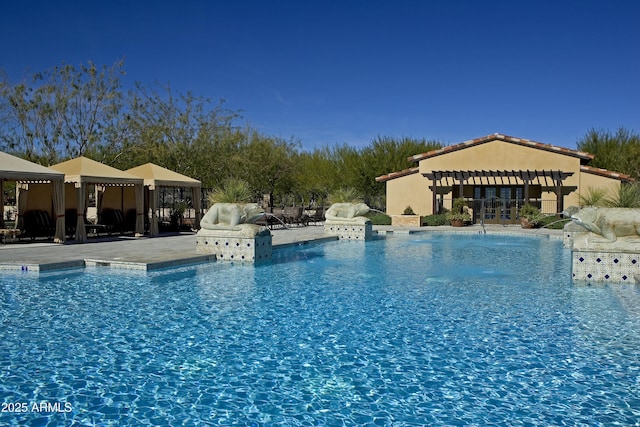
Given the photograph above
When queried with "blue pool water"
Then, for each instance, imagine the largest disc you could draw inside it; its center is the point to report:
(421, 330)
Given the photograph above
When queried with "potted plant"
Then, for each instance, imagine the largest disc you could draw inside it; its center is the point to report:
(408, 211)
(408, 218)
(459, 213)
(530, 216)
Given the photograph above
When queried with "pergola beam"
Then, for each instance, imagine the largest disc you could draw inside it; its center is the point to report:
(526, 176)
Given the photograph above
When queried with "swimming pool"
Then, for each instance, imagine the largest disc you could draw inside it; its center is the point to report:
(418, 330)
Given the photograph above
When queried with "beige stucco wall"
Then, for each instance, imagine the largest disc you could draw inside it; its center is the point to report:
(410, 190)
(501, 155)
(495, 155)
(589, 180)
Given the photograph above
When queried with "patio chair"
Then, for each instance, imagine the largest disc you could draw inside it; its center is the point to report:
(294, 215)
(272, 218)
(318, 215)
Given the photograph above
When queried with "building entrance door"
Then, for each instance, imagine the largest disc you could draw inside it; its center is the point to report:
(497, 204)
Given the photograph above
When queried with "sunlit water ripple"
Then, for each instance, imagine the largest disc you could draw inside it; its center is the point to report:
(427, 330)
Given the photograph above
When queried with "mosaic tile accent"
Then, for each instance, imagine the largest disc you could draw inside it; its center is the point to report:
(237, 249)
(605, 266)
(350, 231)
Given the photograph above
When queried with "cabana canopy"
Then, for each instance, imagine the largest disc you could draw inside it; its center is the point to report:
(14, 168)
(82, 171)
(85, 170)
(156, 176)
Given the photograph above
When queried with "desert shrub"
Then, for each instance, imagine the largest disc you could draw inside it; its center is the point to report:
(345, 195)
(232, 190)
(435, 220)
(378, 218)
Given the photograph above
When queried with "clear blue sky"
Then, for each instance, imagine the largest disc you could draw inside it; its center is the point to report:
(328, 72)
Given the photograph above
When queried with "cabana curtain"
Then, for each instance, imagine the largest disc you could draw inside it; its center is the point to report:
(81, 191)
(2, 202)
(22, 192)
(153, 201)
(58, 208)
(139, 192)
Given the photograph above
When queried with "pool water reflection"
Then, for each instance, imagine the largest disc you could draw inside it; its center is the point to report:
(422, 330)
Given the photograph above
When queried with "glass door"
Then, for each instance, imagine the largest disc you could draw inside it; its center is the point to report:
(505, 203)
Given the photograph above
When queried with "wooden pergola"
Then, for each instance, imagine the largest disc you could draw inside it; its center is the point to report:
(552, 178)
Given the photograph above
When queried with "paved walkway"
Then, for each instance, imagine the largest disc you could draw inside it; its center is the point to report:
(168, 250)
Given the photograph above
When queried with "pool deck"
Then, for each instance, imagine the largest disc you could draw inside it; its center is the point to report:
(146, 253)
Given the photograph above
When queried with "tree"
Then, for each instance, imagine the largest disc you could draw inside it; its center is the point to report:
(181, 132)
(384, 155)
(619, 152)
(60, 113)
(269, 164)
(318, 174)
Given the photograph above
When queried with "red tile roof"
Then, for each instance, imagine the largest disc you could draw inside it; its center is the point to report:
(606, 173)
(496, 136)
(393, 175)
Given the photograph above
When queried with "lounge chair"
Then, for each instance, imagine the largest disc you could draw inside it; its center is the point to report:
(295, 215)
(272, 218)
(114, 221)
(318, 215)
(37, 223)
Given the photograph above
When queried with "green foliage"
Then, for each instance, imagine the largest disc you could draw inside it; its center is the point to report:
(553, 222)
(378, 218)
(386, 154)
(62, 112)
(619, 151)
(459, 211)
(435, 220)
(181, 132)
(232, 190)
(345, 195)
(593, 197)
(408, 211)
(269, 164)
(531, 213)
(628, 196)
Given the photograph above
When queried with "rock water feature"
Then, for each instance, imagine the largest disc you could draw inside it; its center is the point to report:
(346, 221)
(605, 244)
(228, 231)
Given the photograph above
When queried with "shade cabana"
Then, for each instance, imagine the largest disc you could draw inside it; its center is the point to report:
(154, 177)
(24, 172)
(81, 172)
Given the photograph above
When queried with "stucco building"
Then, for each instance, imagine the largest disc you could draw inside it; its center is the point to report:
(496, 175)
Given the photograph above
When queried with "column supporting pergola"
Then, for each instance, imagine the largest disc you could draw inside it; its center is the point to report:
(527, 177)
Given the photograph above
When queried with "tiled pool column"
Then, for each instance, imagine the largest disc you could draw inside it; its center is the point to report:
(600, 266)
(239, 249)
(350, 231)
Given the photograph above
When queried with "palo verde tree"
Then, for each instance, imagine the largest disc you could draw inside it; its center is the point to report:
(60, 113)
